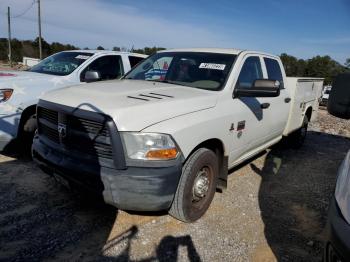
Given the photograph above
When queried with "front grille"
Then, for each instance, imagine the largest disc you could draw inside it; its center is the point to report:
(50, 133)
(83, 136)
(49, 115)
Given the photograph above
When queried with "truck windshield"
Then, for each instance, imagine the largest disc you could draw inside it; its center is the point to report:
(61, 64)
(202, 70)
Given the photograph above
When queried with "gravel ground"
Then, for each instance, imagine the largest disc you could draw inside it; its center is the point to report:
(274, 209)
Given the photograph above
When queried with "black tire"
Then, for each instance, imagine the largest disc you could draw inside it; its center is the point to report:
(189, 205)
(27, 133)
(297, 138)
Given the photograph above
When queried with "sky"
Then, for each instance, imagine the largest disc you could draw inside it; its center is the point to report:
(302, 28)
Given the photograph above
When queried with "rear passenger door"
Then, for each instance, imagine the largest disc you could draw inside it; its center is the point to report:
(277, 116)
(109, 66)
(257, 130)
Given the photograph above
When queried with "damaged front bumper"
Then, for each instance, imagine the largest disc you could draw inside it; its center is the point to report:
(136, 188)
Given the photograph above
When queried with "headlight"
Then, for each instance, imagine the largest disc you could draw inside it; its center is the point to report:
(5, 94)
(149, 146)
(342, 190)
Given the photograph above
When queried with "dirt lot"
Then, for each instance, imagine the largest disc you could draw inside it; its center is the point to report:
(274, 209)
(6, 66)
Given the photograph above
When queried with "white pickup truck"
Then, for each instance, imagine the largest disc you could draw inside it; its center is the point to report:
(20, 90)
(165, 136)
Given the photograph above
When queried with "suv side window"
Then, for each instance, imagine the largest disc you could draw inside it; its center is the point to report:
(109, 66)
(250, 71)
(273, 70)
(134, 60)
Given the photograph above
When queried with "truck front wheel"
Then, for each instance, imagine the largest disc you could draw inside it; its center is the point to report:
(197, 186)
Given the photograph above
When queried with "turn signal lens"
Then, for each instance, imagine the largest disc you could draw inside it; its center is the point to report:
(5, 94)
(162, 154)
(149, 146)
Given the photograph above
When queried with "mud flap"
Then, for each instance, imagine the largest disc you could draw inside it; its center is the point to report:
(223, 173)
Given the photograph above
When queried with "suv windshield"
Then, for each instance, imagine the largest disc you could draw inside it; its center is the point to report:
(194, 69)
(61, 64)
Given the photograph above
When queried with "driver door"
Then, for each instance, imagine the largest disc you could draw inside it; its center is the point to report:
(251, 127)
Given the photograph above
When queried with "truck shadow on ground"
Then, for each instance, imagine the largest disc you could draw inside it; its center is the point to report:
(39, 219)
(294, 195)
(42, 220)
(167, 249)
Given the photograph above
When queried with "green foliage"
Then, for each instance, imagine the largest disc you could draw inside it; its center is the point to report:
(291, 64)
(318, 66)
(347, 63)
(148, 50)
(30, 48)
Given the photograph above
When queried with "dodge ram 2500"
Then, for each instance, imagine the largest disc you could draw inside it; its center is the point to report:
(20, 90)
(165, 136)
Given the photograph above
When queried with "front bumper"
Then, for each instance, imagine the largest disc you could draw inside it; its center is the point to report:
(5, 140)
(338, 236)
(133, 188)
(8, 128)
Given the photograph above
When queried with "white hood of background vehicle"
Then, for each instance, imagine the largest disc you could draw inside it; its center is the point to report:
(28, 86)
(134, 104)
(6, 76)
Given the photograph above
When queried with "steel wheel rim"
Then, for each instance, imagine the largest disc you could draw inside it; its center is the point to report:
(201, 184)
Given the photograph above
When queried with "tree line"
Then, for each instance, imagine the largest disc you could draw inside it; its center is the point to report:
(30, 48)
(318, 66)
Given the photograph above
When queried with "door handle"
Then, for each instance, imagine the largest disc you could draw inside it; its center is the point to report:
(287, 100)
(265, 105)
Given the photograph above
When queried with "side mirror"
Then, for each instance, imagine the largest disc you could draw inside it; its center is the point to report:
(260, 88)
(92, 76)
(339, 98)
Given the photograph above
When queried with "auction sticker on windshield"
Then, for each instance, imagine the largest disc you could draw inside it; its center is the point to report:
(84, 57)
(212, 66)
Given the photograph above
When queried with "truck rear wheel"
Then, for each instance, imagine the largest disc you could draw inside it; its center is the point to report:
(197, 186)
(298, 137)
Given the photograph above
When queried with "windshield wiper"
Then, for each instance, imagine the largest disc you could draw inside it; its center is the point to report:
(159, 81)
(172, 82)
(167, 82)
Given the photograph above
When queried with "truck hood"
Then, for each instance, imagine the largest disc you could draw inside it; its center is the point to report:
(21, 75)
(134, 104)
(27, 85)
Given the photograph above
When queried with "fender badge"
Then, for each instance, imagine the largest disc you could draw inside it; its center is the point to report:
(232, 127)
(241, 125)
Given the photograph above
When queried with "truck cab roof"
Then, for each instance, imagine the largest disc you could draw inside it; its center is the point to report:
(233, 51)
(106, 52)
